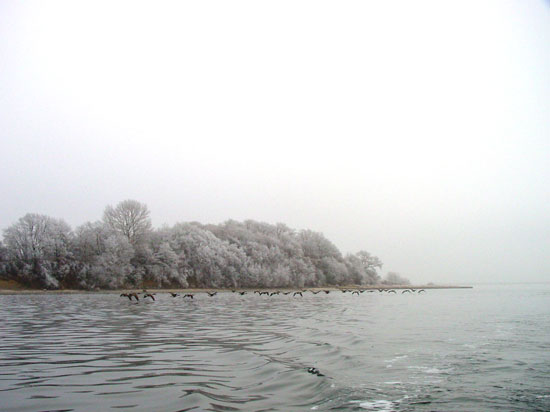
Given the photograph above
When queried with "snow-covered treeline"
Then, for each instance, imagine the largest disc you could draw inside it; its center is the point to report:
(123, 250)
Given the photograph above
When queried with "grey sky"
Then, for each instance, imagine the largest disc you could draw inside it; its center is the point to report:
(418, 131)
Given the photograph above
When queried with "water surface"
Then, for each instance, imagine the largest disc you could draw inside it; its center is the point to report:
(486, 348)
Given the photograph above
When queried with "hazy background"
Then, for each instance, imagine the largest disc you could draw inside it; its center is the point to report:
(419, 131)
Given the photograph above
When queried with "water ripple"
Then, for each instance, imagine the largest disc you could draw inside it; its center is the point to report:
(231, 353)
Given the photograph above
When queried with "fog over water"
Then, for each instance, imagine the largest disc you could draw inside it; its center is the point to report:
(417, 131)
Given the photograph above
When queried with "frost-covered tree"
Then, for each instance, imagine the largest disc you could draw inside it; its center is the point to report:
(123, 250)
(370, 265)
(317, 246)
(356, 270)
(208, 261)
(273, 254)
(129, 218)
(324, 256)
(334, 272)
(89, 241)
(4, 261)
(90, 244)
(163, 265)
(112, 269)
(39, 249)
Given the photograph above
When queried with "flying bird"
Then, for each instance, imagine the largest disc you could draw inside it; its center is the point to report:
(174, 295)
(189, 295)
(148, 295)
(298, 293)
(212, 293)
(130, 296)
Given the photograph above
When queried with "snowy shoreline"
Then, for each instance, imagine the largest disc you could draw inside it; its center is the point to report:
(223, 290)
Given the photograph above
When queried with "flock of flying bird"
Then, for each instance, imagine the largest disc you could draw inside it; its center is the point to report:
(148, 295)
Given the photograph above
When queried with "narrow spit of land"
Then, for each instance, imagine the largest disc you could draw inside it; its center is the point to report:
(12, 288)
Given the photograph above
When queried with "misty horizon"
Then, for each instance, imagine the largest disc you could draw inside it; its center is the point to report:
(418, 132)
(383, 270)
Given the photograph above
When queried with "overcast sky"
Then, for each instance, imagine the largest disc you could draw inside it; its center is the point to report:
(419, 131)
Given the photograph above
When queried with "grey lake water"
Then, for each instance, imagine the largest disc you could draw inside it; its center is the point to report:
(481, 349)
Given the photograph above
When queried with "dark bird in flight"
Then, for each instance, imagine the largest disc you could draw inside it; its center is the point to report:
(130, 296)
(233, 290)
(298, 293)
(406, 291)
(327, 291)
(421, 290)
(356, 292)
(242, 293)
(264, 293)
(148, 295)
(274, 293)
(189, 295)
(392, 291)
(174, 295)
(315, 291)
(286, 293)
(212, 293)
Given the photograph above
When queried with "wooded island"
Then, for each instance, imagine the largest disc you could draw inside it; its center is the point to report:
(123, 250)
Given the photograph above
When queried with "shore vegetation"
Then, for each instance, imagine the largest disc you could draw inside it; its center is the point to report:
(123, 250)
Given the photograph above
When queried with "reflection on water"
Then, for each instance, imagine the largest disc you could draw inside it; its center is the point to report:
(480, 349)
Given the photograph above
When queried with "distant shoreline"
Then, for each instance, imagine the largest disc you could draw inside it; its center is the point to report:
(22, 291)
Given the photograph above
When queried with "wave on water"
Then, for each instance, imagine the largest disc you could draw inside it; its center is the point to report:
(377, 353)
(378, 405)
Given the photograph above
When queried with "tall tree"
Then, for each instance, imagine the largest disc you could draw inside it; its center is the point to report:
(370, 264)
(39, 249)
(129, 218)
